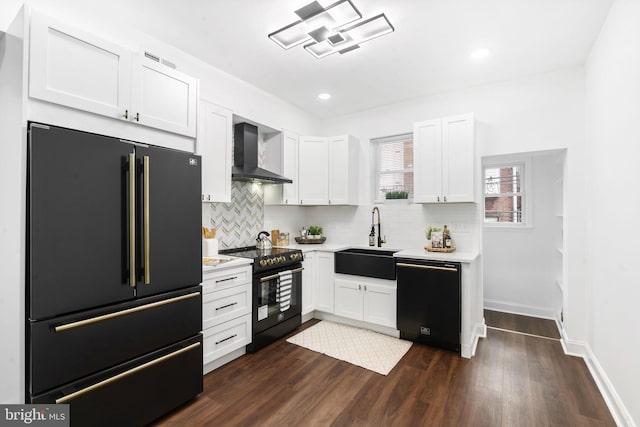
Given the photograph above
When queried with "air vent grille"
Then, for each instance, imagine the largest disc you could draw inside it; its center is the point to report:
(168, 63)
(152, 56)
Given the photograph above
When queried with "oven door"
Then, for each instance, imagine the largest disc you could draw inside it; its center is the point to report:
(273, 301)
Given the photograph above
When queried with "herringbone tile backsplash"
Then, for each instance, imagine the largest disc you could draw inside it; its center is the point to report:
(239, 222)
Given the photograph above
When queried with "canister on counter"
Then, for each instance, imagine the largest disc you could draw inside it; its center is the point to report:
(274, 237)
(283, 239)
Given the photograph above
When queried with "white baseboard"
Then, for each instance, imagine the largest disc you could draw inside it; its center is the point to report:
(469, 350)
(393, 332)
(618, 410)
(223, 360)
(515, 308)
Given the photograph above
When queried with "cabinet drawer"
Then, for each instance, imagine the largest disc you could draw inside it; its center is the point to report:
(67, 348)
(136, 393)
(222, 306)
(226, 337)
(226, 279)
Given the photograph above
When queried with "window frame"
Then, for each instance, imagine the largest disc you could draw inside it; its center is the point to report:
(376, 162)
(525, 192)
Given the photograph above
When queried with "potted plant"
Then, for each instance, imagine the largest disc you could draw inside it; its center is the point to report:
(397, 194)
(429, 231)
(315, 232)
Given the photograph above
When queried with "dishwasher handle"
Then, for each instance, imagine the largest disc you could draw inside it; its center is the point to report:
(443, 267)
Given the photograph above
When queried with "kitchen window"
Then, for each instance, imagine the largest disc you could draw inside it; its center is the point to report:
(393, 167)
(504, 196)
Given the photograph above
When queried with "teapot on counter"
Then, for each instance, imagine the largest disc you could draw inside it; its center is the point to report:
(263, 242)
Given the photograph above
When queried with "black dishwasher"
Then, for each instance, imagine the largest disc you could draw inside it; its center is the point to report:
(429, 302)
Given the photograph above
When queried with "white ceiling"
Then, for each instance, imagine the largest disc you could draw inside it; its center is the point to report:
(428, 52)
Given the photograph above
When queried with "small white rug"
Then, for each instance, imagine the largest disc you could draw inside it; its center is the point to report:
(360, 347)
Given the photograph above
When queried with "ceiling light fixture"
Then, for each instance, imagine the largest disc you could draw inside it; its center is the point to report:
(324, 96)
(327, 31)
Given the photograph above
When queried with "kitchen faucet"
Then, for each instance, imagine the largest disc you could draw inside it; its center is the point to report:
(372, 235)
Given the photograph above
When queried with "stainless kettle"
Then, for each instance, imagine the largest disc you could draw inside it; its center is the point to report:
(262, 241)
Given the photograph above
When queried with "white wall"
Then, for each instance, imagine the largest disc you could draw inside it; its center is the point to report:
(518, 262)
(613, 148)
(542, 112)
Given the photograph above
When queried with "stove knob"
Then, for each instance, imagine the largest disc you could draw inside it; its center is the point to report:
(263, 263)
(292, 257)
(282, 259)
(270, 261)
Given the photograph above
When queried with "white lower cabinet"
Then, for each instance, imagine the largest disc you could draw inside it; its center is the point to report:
(226, 313)
(323, 281)
(366, 299)
(308, 297)
(226, 337)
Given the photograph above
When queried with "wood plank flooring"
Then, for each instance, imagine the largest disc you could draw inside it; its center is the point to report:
(514, 380)
(528, 325)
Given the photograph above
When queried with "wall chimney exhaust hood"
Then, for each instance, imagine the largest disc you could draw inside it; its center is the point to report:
(245, 157)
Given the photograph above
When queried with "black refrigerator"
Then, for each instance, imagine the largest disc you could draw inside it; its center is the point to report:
(113, 295)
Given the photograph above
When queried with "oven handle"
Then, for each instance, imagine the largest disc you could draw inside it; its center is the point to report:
(275, 276)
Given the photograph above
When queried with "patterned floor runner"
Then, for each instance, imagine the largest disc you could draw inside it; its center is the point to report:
(360, 347)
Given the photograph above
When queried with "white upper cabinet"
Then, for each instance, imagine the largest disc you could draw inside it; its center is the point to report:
(214, 144)
(163, 97)
(343, 170)
(444, 158)
(328, 170)
(313, 170)
(282, 157)
(74, 68)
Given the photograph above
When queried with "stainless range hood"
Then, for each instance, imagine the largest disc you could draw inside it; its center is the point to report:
(245, 157)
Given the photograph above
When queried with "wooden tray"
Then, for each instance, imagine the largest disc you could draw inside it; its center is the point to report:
(447, 250)
(309, 241)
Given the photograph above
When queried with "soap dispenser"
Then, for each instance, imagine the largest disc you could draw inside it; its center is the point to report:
(372, 236)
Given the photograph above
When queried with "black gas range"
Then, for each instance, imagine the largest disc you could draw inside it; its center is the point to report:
(267, 259)
(277, 292)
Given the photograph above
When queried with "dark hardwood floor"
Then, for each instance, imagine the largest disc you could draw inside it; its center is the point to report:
(526, 324)
(514, 380)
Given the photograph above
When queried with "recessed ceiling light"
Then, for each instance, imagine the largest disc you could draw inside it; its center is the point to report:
(324, 96)
(480, 54)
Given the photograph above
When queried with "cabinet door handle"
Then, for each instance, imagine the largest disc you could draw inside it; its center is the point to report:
(365, 288)
(359, 287)
(137, 117)
(438, 198)
(227, 279)
(225, 306)
(445, 198)
(126, 114)
(226, 339)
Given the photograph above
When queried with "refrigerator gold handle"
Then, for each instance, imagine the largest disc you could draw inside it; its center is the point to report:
(426, 267)
(121, 313)
(147, 263)
(68, 397)
(132, 220)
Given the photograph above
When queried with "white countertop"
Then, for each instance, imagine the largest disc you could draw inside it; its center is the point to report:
(228, 261)
(420, 253)
(423, 254)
